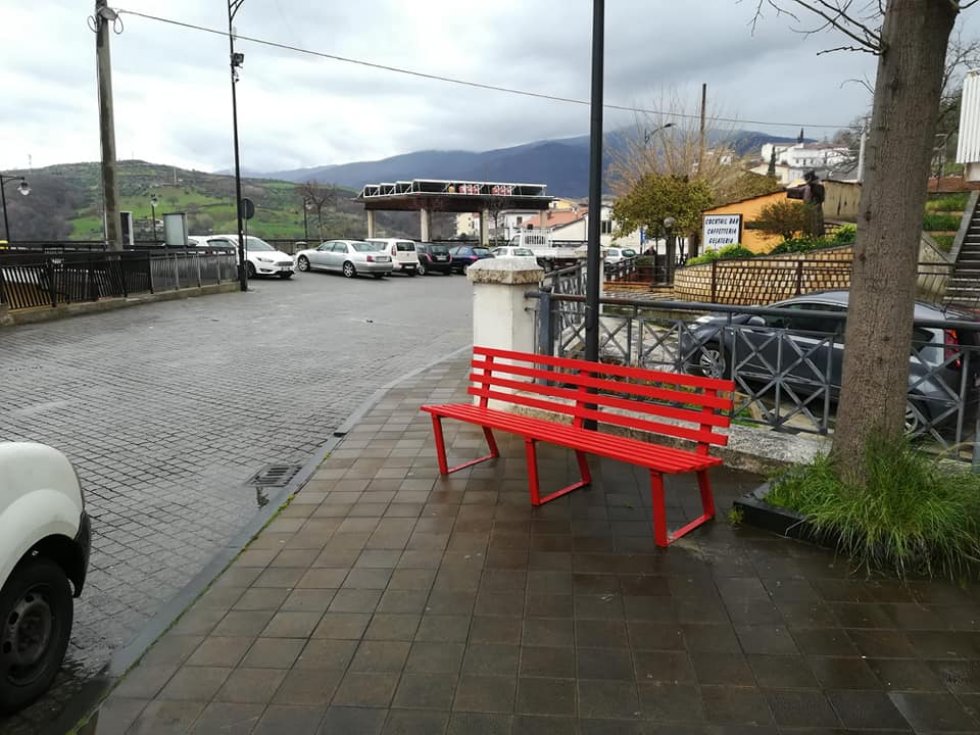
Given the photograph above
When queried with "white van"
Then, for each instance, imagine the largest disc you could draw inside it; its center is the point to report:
(402, 253)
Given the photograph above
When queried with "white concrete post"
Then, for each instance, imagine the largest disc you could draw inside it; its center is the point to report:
(425, 224)
(370, 223)
(502, 317)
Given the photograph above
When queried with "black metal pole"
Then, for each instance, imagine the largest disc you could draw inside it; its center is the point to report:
(593, 259)
(233, 6)
(306, 224)
(6, 222)
(153, 209)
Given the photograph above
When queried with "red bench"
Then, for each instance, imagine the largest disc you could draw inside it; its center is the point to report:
(669, 404)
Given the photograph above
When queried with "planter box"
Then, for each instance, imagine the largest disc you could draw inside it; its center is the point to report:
(758, 513)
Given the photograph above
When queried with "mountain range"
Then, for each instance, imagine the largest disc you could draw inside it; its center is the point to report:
(562, 164)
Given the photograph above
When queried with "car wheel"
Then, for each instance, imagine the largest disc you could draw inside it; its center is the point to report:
(35, 624)
(250, 270)
(916, 420)
(421, 270)
(466, 267)
(711, 360)
(349, 270)
(303, 263)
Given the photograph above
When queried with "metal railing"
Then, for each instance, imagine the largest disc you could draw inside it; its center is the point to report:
(46, 278)
(786, 363)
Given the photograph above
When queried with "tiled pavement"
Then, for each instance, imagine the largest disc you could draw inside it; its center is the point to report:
(384, 599)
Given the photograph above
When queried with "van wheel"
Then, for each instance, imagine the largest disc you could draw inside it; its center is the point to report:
(35, 624)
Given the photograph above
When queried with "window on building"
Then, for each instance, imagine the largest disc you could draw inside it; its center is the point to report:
(606, 227)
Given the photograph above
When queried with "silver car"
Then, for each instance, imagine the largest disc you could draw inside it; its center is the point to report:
(350, 257)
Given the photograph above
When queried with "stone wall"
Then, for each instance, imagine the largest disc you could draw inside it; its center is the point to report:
(765, 279)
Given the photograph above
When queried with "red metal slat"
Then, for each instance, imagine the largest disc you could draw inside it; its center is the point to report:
(646, 391)
(637, 373)
(707, 417)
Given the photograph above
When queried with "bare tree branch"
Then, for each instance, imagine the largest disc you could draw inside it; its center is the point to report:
(838, 15)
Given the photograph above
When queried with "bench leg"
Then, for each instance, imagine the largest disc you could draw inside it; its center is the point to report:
(660, 533)
(530, 447)
(444, 468)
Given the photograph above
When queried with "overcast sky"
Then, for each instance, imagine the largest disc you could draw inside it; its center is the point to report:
(173, 103)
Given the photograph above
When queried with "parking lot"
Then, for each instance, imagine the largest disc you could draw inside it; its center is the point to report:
(168, 409)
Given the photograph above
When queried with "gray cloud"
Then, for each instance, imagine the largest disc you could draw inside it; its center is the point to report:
(173, 98)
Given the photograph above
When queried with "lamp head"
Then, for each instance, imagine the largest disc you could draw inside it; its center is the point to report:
(669, 222)
(24, 188)
(154, 200)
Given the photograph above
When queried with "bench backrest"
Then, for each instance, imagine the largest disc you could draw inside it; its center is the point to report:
(673, 404)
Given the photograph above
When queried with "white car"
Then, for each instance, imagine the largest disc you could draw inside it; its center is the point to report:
(512, 251)
(615, 255)
(44, 549)
(402, 252)
(261, 259)
(350, 257)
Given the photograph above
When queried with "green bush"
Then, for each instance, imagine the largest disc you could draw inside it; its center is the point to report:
(945, 242)
(940, 222)
(846, 234)
(915, 516)
(729, 252)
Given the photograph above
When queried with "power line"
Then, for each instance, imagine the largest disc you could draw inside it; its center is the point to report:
(468, 83)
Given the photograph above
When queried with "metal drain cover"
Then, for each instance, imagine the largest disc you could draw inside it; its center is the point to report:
(274, 475)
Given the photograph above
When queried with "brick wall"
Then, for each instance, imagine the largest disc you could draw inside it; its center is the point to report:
(765, 279)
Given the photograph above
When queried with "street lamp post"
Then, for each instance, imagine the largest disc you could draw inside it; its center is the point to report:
(307, 206)
(648, 134)
(670, 247)
(153, 209)
(236, 61)
(24, 189)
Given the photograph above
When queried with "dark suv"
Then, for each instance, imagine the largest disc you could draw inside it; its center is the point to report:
(466, 255)
(433, 258)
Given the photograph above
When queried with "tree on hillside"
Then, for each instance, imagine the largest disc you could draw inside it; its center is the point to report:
(910, 39)
(318, 197)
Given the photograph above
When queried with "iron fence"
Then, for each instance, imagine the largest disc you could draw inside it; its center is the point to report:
(48, 278)
(786, 363)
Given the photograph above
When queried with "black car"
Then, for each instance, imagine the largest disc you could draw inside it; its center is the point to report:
(433, 258)
(466, 255)
(805, 349)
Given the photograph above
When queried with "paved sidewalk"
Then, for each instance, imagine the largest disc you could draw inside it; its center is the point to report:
(385, 599)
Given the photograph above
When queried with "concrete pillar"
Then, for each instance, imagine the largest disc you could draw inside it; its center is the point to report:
(485, 227)
(502, 317)
(425, 224)
(370, 222)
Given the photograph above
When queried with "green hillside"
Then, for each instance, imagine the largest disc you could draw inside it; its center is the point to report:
(65, 203)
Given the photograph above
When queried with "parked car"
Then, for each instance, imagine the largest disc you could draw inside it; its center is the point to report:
(350, 257)
(613, 256)
(466, 255)
(44, 550)
(402, 253)
(511, 251)
(261, 259)
(801, 341)
(433, 258)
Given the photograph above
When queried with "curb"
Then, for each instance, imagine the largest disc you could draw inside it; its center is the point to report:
(95, 690)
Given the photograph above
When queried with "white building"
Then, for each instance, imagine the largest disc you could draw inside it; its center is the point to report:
(968, 144)
(795, 159)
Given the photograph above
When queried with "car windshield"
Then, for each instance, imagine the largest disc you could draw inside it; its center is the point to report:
(438, 249)
(629, 253)
(523, 252)
(366, 247)
(405, 247)
(481, 251)
(256, 245)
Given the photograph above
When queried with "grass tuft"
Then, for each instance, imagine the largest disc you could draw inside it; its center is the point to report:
(915, 516)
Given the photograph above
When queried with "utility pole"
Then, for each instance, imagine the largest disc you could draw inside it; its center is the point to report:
(593, 261)
(236, 61)
(704, 104)
(104, 15)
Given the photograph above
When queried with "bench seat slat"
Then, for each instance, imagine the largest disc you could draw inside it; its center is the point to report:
(669, 460)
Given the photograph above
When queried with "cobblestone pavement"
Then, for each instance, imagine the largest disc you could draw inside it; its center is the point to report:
(386, 600)
(167, 409)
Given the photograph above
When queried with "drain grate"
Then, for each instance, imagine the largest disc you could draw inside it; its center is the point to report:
(274, 475)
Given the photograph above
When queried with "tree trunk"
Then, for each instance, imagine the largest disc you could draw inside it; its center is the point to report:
(915, 36)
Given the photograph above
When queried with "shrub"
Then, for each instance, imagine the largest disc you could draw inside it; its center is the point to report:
(915, 516)
(846, 234)
(948, 203)
(785, 218)
(729, 252)
(945, 242)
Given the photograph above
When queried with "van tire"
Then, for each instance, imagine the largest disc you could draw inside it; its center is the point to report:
(35, 603)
